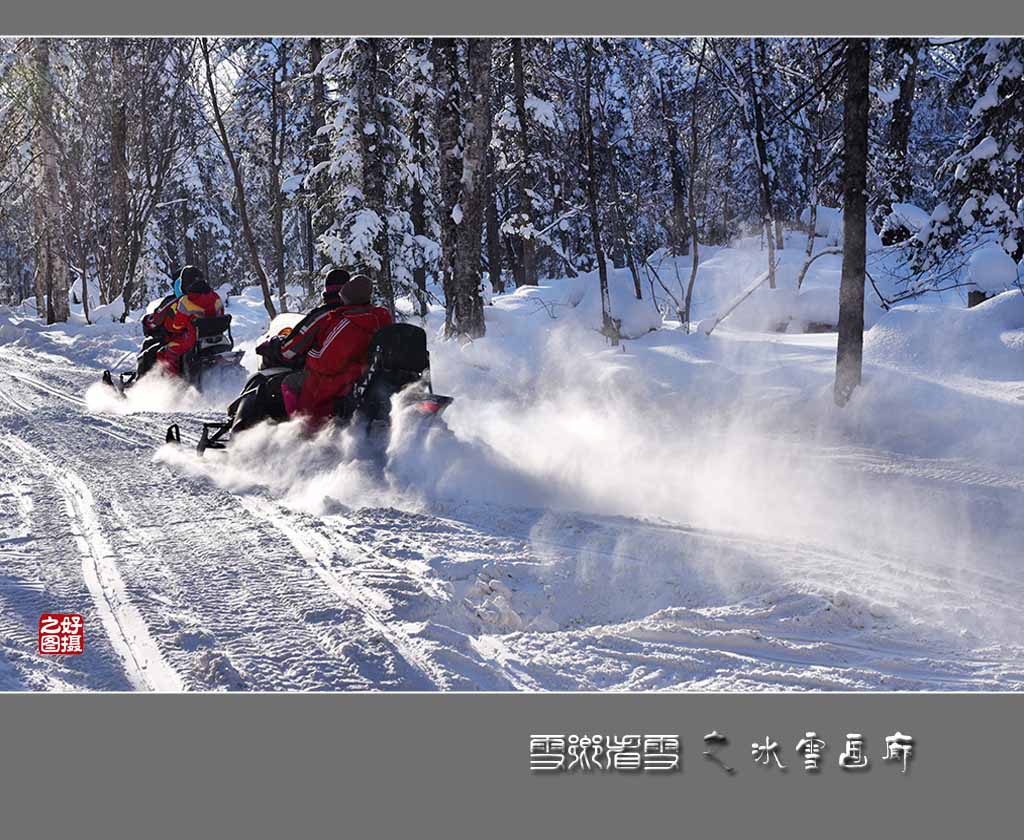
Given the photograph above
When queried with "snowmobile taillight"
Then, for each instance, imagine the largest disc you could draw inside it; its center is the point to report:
(432, 405)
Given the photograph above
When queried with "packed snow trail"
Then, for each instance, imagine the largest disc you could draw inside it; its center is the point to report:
(791, 561)
(233, 588)
(127, 632)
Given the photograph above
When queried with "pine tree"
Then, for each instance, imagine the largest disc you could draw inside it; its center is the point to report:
(983, 192)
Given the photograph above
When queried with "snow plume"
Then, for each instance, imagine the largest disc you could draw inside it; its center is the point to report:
(319, 471)
(732, 446)
(698, 434)
(315, 472)
(158, 392)
(154, 392)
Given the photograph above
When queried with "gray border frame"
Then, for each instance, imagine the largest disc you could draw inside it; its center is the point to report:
(391, 765)
(457, 766)
(515, 17)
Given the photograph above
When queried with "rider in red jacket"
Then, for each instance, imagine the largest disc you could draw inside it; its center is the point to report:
(197, 300)
(338, 355)
(290, 350)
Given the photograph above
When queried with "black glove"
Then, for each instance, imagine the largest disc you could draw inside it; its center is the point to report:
(270, 350)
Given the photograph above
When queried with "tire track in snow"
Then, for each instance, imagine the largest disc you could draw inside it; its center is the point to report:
(143, 661)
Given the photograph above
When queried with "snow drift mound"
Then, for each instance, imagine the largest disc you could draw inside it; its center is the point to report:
(992, 270)
(21, 330)
(953, 379)
(9, 331)
(583, 294)
(985, 342)
(823, 219)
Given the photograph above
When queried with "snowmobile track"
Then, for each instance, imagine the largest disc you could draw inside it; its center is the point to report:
(143, 661)
(317, 551)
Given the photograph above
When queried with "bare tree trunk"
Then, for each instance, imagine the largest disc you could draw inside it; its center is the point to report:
(763, 169)
(526, 176)
(558, 209)
(119, 167)
(277, 141)
(813, 225)
(850, 346)
(369, 80)
(418, 200)
(621, 224)
(814, 162)
(902, 119)
(513, 261)
(320, 217)
(51, 266)
(79, 229)
(243, 210)
(678, 229)
(694, 152)
(608, 325)
(468, 308)
(186, 223)
(493, 230)
(449, 134)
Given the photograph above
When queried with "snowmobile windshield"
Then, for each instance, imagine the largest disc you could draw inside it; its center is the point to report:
(177, 287)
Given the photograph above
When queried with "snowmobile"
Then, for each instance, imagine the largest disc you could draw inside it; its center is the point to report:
(398, 366)
(214, 350)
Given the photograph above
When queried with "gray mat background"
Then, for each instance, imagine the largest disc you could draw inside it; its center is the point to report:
(521, 17)
(458, 766)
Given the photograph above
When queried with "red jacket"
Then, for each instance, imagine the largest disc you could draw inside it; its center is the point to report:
(338, 357)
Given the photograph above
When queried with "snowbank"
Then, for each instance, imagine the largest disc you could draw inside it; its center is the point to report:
(991, 269)
(823, 220)
(835, 235)
(99, 313)
(24, 331)
(583, 295)
(986, 341)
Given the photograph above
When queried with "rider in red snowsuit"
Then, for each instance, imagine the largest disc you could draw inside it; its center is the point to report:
(290, 350)
(198, 300)
(337, 357)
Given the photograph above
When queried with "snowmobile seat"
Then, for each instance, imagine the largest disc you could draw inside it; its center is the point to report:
(213, 335)
(397, 357)
(400, 349)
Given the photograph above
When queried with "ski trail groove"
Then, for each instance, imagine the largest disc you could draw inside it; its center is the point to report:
(144, 664)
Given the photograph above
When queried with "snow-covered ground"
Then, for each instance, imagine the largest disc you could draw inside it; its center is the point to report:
(679, 512)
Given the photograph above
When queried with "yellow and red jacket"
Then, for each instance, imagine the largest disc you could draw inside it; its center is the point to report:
(201, 302)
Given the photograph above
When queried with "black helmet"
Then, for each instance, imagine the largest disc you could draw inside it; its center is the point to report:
(333, 281)
(189, 277)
